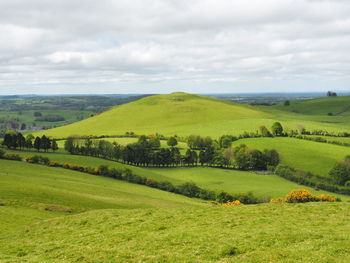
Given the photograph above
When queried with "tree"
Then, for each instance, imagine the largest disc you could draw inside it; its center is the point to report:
(69, 145)
(257, 160)
(8, 140)
(154, 142)
(37, 114)
(272, 157)
(331, 94)
(286, 103)
(37, 143)
(29, 141)
(23, 126)
(242, 157)
(264, 131)
(225, 142)
(45, 143)
(172, 142)
(21, 141)
(54, 145)
(277, 129)
(340, 173)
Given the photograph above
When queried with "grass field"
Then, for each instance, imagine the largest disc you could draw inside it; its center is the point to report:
(28, 118)
(313, 232)
(262, 185)
(28, 189)
(311, 156)
(232, 181)
(184, 114)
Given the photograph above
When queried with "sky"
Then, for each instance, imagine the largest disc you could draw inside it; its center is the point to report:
(162, 46)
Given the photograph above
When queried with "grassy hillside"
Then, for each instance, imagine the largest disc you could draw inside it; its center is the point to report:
(28, 190)
(311, 156)
(215, 179)
(184, 114)
(313, 232)
(262, 185)
(322, 106)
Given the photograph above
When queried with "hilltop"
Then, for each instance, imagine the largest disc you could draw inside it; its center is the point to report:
(184, 114)
(175, 113)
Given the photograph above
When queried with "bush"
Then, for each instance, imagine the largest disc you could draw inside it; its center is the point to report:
(189, 189)
(2, 153)
(300, 196)
(13, 157)
(232, 203)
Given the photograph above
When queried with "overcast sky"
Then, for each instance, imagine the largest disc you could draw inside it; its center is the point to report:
(160, 46)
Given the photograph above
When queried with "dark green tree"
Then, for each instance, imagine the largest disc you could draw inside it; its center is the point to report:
(277, 129)
(54, 145)
(37, 143)
(172, 142)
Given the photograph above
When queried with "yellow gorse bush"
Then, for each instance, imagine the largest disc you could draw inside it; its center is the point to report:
(303, 196)
(232, 203)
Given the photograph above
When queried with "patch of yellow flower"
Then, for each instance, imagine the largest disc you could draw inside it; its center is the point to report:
(232, 203)
(303, 196)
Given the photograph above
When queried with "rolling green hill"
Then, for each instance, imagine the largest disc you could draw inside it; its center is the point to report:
(322, 106)
(231, 181)
(311, 156)
(184, 114)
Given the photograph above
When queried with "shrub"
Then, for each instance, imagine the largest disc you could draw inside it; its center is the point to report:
(232, 203)
(300, 196)
(2, 153)
(326, 198)
(13, 157)
(277, 200)
(54, 164)
(104, 170)
(189, 189)
(66, 165)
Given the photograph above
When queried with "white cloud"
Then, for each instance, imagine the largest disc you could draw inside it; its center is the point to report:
(164, 45)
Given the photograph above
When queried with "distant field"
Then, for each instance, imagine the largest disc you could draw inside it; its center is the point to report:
(313, 232)
(311, 156)
(322, 106)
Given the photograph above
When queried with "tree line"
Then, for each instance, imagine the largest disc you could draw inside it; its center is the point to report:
(15, 140)
(203, 151)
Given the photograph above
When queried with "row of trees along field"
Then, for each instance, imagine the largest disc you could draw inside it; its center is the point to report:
(13, 140)
(147, 152)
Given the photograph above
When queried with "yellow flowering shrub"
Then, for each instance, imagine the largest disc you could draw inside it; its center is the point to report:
(232, 203)
(303, 196)
(277, 200)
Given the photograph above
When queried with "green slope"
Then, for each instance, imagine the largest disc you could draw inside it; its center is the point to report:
(313, 232)
(215, 179)
(311, 156)
(27, 190)
(184, 114)
(322, 106)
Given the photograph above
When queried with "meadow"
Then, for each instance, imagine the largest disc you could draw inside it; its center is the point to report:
(216, 179)
(318, 158)
(313, 232)
(33, 192)
(51, 214)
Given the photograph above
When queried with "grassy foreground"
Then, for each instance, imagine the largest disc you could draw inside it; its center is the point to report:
(33, 192)
(313, 232)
